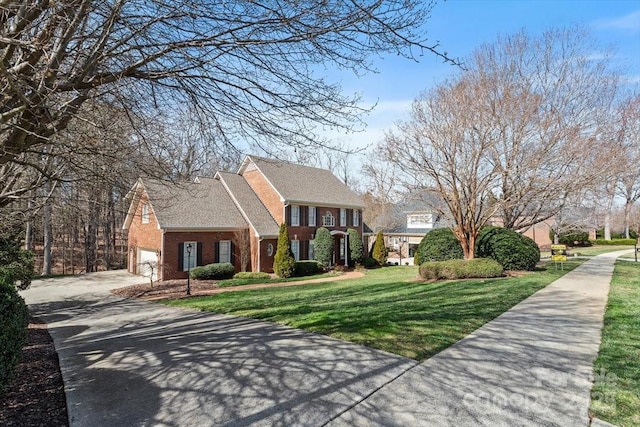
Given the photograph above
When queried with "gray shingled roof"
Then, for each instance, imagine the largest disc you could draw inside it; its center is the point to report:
(307, 185)
(254, 210)
(193, 205)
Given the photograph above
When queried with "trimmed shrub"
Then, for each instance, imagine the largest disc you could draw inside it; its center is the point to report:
(379, 252)
(438, 245)
(252, 275)
(216, 271)
(356, 248)
(612, 242)
(307, 268)
(616, 235)
(323, 246)
(572, 238)
(284, 262)
(14, 319)
(511, 249)
(369, 262)
(461, 269)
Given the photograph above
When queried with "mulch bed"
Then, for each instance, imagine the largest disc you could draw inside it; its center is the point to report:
(35, 396)
(168, 289)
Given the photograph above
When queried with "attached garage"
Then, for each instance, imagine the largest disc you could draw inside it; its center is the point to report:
(147, 263)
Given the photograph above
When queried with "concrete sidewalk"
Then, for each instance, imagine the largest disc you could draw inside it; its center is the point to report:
(130, 363)
(533, 365)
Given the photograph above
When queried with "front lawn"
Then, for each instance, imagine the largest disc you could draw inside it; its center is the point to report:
(387, 308)
(616, 392)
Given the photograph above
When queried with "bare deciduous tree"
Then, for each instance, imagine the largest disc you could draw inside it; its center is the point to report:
(249, 69)
(513, 135)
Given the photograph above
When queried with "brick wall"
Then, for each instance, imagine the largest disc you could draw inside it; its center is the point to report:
(266, 193)
(143, 236)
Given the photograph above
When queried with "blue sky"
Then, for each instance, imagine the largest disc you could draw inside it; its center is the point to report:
(463, 25)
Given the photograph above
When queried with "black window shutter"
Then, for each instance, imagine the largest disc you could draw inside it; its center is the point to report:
(199, 254)
(180, 256)
(349, 217)
(216, 249)
(287, 215)
(304, 215)
(233, 253)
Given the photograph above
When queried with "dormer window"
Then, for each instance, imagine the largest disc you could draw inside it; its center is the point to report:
(328, 220)
(145, 213)
(419, 221)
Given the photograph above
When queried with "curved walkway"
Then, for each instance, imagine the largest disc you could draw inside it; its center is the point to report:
(127, 363)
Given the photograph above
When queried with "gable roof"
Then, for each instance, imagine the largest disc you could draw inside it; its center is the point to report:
(203, 204)
(248, 203)
(298, 184)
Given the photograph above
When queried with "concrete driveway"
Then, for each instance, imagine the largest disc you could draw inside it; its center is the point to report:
(129, 363)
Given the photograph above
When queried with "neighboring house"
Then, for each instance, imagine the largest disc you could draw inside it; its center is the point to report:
(235, 218)
(413, 218)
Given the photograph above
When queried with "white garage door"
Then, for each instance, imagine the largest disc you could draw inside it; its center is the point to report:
(148, 264)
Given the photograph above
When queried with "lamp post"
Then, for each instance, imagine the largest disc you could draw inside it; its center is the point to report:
(188, 268)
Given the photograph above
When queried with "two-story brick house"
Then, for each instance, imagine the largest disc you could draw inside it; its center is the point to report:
(235, 218)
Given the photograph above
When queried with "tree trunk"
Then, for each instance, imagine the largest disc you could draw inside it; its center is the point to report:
(607, 226)
(28, 233)
(48, 239)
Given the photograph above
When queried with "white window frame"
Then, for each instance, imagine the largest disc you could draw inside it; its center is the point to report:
(343, 217)
(186, 259)
(312, 216)
(145, 213)
(295, 215)
(328, 220)
(356, 218)
(295, 249)
(270, 249)
(226, 243)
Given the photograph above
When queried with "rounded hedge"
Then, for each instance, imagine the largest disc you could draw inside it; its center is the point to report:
(307, 268)
(258, 275)
(438, 245)
(511, 249)
(14, 320)
(461, 269)
(216, 271)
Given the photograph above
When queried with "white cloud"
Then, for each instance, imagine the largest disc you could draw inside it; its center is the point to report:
(630, 22)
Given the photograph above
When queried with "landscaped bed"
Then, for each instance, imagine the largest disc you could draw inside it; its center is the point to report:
(388, 308)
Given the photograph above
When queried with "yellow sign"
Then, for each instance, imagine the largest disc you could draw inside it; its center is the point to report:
(559, 253)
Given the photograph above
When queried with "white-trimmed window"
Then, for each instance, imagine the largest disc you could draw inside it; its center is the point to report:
(270, 249)
(295, 215)
(145, 213)
(295, 248)
(189, 255)
(312, 216)
(342, 248)
(419, 221)
(225, 251)
(328, 220)
(343, 217)
(356, 218)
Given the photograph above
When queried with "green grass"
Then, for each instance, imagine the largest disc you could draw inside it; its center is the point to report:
(242, 282)
(592, 251)
(616, 392)
(387, 308)
(598, 250)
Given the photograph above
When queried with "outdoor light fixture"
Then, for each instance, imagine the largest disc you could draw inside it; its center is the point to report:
(403, 240)
(188, 268)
